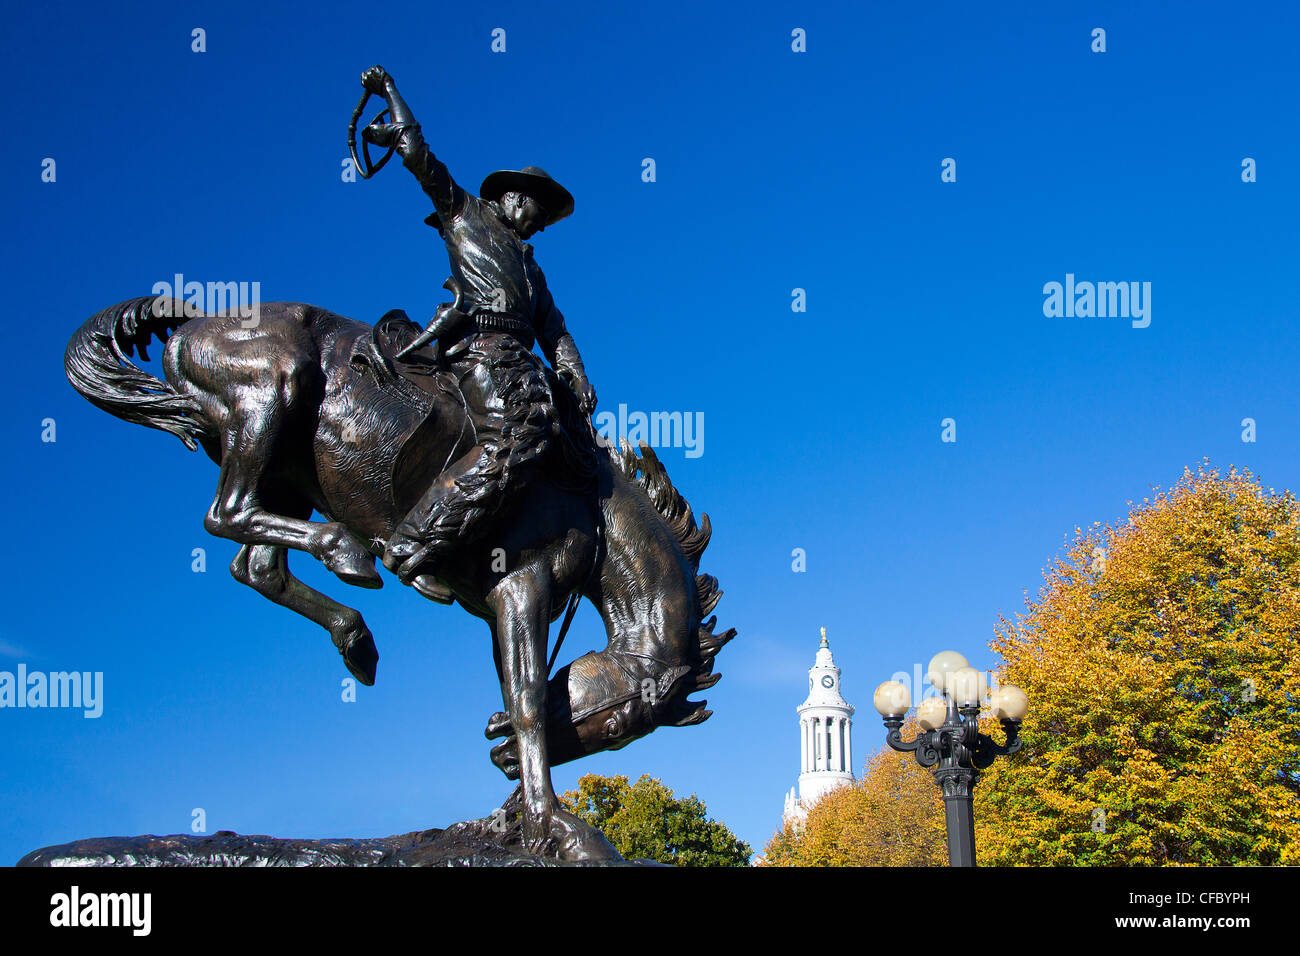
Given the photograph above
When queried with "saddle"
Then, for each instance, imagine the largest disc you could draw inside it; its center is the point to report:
(379, 353)
(421, 378)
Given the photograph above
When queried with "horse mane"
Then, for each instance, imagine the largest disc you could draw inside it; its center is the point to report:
(648, 471)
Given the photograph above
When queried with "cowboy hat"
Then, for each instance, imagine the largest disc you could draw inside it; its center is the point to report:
(531, 181)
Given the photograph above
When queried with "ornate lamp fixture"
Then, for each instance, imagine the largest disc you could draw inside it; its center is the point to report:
(950, 738)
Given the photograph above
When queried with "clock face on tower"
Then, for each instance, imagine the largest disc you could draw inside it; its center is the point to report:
(828, 681)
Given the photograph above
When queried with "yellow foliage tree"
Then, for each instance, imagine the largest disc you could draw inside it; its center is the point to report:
(1161, 660)
(892, 816)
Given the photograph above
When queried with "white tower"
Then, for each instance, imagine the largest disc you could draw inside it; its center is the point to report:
(826, 742)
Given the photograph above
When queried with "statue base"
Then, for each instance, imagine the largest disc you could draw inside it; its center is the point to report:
(461, 844)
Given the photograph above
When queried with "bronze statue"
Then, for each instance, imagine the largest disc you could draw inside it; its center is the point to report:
(456, 455)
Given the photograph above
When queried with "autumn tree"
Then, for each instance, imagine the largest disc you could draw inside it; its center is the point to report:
(645, 820)
(1161, 662)
(892, 816)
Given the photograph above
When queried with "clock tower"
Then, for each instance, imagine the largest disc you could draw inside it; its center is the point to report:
(825, 733)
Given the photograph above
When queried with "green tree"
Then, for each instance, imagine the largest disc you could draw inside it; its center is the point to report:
(644, 820)
(1162, 664)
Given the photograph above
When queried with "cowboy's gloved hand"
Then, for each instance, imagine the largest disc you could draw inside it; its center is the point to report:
(384, 134)
(375, 80)
(586, 394)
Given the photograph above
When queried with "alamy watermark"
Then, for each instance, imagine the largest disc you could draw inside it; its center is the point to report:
(210, 298)
(74, 908)
(1104, 300)
(84, 690)
(920, 687)
(656, 429)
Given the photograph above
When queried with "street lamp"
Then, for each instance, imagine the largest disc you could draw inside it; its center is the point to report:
(950, 737)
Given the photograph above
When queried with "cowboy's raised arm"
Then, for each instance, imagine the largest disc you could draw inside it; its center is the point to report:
(404, 133)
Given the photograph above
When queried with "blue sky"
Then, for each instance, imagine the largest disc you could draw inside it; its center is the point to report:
(775, 171)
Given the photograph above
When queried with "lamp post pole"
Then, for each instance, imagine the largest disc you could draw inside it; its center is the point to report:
(950, 739)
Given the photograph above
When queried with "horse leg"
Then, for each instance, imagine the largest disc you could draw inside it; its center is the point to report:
(252, 434)
(265, 569)
(521, 603)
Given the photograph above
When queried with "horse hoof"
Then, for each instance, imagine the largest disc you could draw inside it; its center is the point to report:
(505, 756)
(498, 725)
(579, 841)
(357, 570)
(362, 658)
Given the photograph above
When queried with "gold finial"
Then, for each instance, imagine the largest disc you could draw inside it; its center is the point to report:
(823, 637)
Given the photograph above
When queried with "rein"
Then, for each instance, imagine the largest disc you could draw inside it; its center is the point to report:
(576, 597)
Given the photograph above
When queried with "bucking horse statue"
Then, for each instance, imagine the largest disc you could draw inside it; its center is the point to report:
(304, 410)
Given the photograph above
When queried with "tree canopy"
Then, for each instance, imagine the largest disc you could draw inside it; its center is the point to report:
(645, 820)
(1162, 663)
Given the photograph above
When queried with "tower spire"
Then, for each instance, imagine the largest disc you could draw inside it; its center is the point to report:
(825, 730)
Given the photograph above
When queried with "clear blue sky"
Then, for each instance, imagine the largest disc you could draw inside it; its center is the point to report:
(775, 171)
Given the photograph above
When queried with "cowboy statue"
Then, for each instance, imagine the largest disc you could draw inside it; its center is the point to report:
(457, 455)
(502, 306)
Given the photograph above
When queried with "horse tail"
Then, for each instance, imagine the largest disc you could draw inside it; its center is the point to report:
(98, 364)
(648, 471)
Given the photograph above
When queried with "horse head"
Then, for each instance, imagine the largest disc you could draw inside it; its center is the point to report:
(606, 699)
